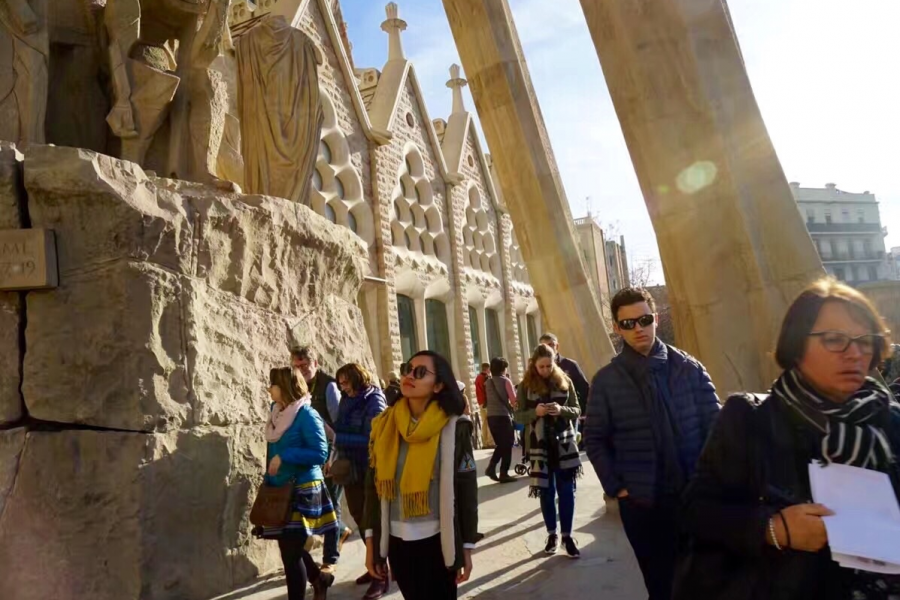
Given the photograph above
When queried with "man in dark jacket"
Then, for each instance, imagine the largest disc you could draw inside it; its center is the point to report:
(651, 410)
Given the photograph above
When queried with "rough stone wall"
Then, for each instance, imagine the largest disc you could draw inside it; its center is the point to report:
(144, 377)
(460, 316)
(512, 292)
(11, 318)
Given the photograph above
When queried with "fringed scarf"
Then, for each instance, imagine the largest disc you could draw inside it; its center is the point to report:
(384, 450)
(552, 444)
(852, 431)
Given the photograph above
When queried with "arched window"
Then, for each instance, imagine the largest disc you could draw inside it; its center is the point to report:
(329, 213)
(437, 328)
(339, 188)
(406, 315)
(492, 324)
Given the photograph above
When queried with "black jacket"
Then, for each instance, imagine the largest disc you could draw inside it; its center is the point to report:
(573, 370)
(754, 464)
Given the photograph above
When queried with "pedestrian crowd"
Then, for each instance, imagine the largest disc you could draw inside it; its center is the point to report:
(714, 498)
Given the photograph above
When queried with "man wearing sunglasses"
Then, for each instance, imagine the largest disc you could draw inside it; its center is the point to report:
(650, 411)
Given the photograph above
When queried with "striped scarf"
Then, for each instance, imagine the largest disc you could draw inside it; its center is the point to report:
(852, 431)
(552, 445)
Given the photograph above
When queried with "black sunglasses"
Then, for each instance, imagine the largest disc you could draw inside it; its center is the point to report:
(645, 321)
(418, 372)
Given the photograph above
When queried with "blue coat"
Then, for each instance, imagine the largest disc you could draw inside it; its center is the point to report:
(619, 432)
(303, 449)
(354, 424)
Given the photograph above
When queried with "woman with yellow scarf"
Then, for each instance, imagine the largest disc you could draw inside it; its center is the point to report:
(422, 489)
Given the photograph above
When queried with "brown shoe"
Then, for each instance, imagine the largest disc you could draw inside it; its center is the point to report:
(321, 584)
(364, 579)
(377, 589)
(346, 533)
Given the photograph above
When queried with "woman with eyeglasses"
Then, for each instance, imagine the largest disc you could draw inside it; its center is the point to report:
(422, 489)
(548, 407)
(755, 533)
(296, 450)
(361, 402)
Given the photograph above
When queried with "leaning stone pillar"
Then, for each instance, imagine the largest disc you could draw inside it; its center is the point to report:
(734, 247)
(508, 109)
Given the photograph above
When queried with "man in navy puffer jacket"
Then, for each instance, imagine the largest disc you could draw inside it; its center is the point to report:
(649, 413)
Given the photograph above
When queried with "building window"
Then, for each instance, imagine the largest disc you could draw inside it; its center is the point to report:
(839, 273)
(438, 332)
(867, 249)
(873, 273)
(810, 216)
(532, 333)
(476, 337)
(492, 324)
(845, 215)
(861, 216)
(828, 216)
(406, 314)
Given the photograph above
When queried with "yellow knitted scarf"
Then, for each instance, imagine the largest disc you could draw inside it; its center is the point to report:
(384, 450)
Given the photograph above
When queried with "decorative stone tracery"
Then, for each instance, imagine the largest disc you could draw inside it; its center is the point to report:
(417, 227)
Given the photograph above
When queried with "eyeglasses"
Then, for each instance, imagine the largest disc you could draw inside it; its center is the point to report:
(836, 341)
(645, 321)
(417, 372)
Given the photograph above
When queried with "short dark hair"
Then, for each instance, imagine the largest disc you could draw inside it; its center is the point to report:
(450, 399)
(304, 353)
(802, 314)
(627, 297)
(485, 366)
(498, 365)
(356, 375)
(549, 336)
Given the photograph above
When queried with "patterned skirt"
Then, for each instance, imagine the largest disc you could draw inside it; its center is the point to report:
(313, 513)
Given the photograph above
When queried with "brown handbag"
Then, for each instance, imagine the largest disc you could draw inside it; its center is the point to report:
(343, 472)
(272, 507)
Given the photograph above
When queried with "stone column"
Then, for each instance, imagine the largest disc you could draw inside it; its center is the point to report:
(734, 247)
(508, 109)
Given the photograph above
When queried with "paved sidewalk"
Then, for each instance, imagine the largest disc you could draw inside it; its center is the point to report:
(511, 557)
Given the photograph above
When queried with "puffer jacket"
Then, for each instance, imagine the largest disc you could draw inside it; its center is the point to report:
(303, 449)
(354, 425)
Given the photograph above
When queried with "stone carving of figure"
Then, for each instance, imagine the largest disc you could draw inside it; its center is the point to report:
(24, 58)
(160, 54)
(281, 114)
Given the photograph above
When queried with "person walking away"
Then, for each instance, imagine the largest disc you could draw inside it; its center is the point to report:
(325, 399)
(573, 370)
(296, 447)
(392, 393)
(501, 405)
(361, 403)
(754, 533)
(422, 492)
(651, 410)
(480, 393)
(549, 410)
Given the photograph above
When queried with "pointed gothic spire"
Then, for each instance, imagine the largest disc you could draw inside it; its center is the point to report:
(394, 26)
(457, 83)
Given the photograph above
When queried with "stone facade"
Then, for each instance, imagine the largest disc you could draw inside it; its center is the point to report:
(422, 198)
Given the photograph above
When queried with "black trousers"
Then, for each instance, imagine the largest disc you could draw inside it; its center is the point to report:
(418, 568)
(652, 531)
(299, 566)
(504, 438)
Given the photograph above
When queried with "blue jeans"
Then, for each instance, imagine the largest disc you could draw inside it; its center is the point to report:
(330, 553)
(561, 483)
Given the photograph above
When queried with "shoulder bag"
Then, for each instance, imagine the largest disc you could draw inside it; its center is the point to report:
(272, 507)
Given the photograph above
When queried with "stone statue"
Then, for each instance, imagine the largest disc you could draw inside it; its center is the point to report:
(24, 58)
(281, 114)
(160, 52)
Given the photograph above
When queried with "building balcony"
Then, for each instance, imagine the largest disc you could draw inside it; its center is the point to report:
(850, 258)
(844, 227)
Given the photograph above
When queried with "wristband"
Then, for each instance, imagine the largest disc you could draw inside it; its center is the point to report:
(787, 531)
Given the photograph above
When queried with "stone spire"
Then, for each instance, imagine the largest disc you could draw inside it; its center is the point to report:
(456, 84)
(394, 26)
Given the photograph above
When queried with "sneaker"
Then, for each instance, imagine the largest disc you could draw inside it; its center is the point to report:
(506, 478)
(346, 533)
(552, 544)
(571, 549)
(491, 474)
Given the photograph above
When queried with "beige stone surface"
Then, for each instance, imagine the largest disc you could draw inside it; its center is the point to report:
(11, 443)
(281, 116)
(24, 56)
(528, 175)
(734, 247)
(111, 515)
(186, 296)
(11, 193)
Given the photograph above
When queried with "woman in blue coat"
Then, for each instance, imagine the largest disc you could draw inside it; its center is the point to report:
(297, 449)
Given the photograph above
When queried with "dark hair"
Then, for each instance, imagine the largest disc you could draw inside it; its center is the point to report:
(485, 366)
(450, 399)
(549, 336)
(304, 353)
(356, 375)
(803, 312)
(293, 387)
(627, 297)
(498, 365)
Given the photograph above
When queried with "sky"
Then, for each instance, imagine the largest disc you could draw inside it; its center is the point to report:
(826, 74)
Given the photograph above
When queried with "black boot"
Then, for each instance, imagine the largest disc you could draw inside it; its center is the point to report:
(491, 472)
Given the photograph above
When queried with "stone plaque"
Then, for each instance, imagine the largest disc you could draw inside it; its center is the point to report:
(27, 259)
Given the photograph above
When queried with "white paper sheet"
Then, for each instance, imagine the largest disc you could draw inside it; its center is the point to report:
(864, 532)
